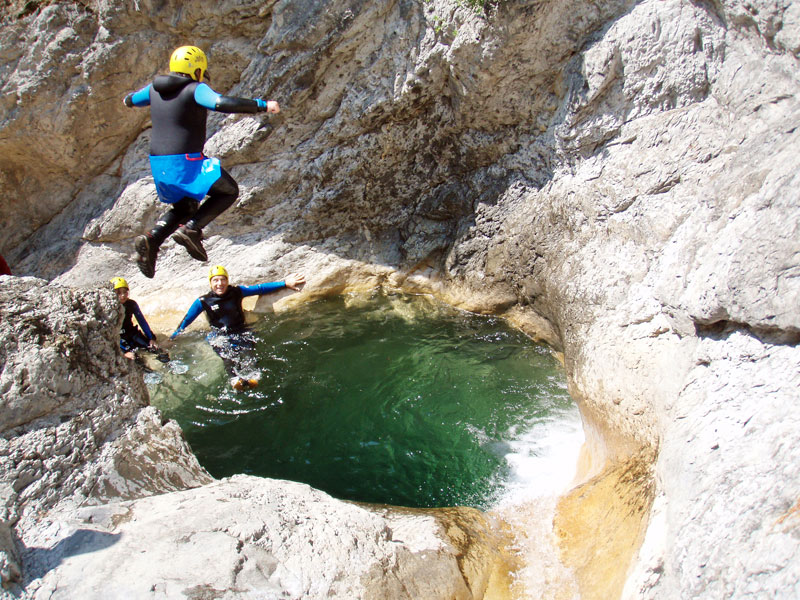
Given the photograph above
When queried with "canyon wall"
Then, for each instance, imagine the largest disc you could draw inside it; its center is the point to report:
(620, 179)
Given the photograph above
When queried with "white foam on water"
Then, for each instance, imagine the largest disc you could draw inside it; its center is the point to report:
(153, 378)
(177, 367)
(542, 458)
(543, 461)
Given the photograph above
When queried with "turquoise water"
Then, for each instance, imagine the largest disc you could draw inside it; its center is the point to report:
(392, 399)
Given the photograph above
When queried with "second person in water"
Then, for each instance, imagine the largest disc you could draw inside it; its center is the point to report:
(131, 339)
(230, 336)
(179, 103)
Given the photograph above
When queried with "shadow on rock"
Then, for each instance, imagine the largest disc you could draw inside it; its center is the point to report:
(39, 561)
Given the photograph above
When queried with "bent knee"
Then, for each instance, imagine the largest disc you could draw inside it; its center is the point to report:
(225, 186)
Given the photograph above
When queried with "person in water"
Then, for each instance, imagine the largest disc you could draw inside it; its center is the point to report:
(179, 103)
(230, 336)
(131, 338)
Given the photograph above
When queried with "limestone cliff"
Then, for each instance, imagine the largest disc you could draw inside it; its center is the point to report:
(619, 178)
(67, 391)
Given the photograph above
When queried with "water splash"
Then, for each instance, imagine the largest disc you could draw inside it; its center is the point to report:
(543, 460)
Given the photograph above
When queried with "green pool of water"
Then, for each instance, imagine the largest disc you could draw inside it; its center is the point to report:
(390, 399)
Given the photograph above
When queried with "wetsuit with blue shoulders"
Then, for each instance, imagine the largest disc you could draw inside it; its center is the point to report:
(230, 336)
(183, 175)
(130, 337)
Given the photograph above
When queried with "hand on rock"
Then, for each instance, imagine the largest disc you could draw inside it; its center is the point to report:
(294, 281)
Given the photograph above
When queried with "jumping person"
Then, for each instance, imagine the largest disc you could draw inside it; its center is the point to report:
(230, 336)
(131, 338)
(179, 104)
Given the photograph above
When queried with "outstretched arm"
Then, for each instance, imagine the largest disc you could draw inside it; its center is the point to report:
(261, 288)
(194, 311)
(292, 281)
(205, 96)
(140, 98)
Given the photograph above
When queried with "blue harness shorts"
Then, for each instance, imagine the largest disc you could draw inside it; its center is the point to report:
(179, 176)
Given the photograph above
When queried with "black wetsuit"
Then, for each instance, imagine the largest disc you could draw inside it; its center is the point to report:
(225, 312)
(178, 110)
(130, 337)
(230, 336)
(179, 122)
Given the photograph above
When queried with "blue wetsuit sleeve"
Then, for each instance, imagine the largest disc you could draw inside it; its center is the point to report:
(208, 98)
(194, 311)
(142, 322)
(205, 96)
(140, 98)
(261, 288)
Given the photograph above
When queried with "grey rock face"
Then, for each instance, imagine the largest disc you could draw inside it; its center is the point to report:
(621, 177)
(729, 461)
(76, 426)
(10, 571)
(246, 537)
(76, 423)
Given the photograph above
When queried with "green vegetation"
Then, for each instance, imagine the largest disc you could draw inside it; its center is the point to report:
(476, 5)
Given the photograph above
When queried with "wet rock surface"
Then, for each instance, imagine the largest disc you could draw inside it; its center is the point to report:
(620, 179)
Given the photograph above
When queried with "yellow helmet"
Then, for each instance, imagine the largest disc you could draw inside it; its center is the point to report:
(187, 59)
(119, 282)
(217, 271)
